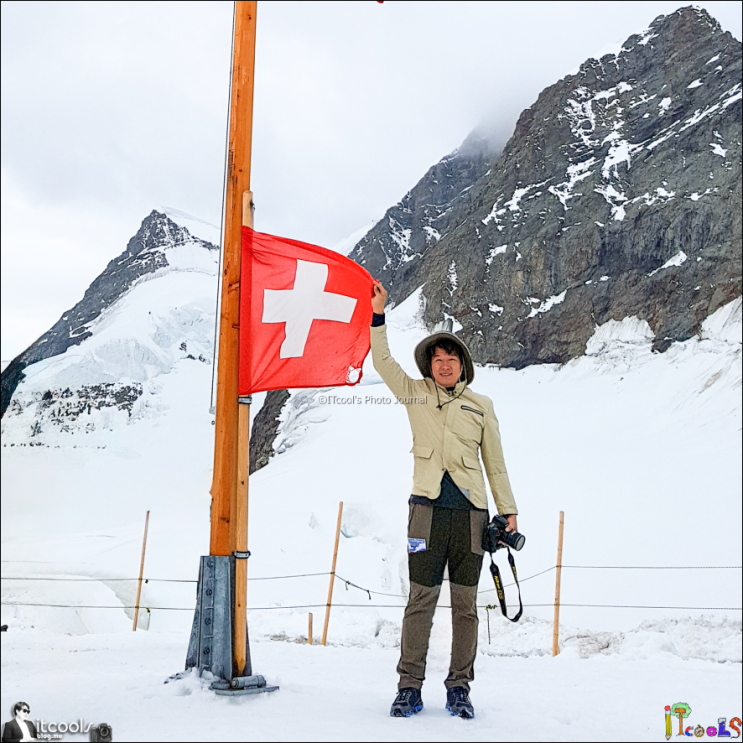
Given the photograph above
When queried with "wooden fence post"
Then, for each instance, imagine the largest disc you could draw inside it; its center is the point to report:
(141, 572)
(558, 575)
(332, 574)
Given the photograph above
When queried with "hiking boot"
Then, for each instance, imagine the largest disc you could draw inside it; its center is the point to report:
(458, 703)
(407, 702)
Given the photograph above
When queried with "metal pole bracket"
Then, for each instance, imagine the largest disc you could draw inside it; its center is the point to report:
(210, 647)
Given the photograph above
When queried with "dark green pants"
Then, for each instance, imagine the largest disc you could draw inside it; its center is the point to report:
(451, 538)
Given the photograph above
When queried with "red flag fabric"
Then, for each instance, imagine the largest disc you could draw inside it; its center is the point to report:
(304, 315)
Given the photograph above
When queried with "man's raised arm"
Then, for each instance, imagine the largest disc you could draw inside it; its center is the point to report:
(400, 384)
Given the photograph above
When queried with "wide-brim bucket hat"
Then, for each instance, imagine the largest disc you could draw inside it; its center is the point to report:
(422, 358)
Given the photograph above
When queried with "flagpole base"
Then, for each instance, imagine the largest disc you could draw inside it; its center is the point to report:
(211, 641)
(210, 644)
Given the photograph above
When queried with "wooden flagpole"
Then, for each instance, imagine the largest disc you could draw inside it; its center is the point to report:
(225, 479)
(229, 511)
(240, 520)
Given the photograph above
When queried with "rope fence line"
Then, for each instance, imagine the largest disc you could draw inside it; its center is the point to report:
(402, 596)
(523, 580)
(100, 580)
(373, 606)
(348, 583)
(369, 592)
(154, 580)
(654, 567)
(281, 577)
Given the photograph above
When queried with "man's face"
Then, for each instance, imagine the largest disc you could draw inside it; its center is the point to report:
(445, 368)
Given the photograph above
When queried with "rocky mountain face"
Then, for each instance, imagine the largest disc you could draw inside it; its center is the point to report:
(619, 194)
(392, 249)
(265, 428)
(145, 253)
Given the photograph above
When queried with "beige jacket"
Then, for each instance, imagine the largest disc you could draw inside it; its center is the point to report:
(450, 438)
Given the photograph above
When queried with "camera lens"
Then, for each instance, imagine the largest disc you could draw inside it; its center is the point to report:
(516, 541)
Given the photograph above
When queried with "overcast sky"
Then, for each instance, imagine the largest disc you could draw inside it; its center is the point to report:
(111, 109)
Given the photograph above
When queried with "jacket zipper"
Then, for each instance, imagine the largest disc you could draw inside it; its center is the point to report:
(472, 410)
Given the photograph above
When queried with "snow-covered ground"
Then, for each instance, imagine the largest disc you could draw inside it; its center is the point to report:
(640, 450)
(343, 693)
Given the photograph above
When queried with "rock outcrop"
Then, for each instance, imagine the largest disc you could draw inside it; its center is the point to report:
(265, 428)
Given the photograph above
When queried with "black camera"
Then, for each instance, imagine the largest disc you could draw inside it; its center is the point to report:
(102, 732)
(495, 536)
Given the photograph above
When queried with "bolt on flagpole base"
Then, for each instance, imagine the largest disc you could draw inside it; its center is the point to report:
(210, 645)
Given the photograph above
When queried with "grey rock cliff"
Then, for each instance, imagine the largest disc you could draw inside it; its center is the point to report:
(265, 428)
(618, 194)
(392, 250)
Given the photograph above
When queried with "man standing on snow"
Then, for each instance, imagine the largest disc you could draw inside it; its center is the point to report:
(448, 508)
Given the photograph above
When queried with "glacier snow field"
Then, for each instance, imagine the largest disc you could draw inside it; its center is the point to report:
(640, 450)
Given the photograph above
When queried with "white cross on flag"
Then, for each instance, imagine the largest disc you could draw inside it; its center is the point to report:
(304, 315)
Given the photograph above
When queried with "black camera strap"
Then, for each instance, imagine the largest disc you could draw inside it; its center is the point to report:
(495, 572)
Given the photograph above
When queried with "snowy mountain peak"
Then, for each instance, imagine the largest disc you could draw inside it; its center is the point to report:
(162, 232)
(151, 307)
(196, 226)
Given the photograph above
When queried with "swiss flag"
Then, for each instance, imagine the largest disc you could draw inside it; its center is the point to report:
(304, 315)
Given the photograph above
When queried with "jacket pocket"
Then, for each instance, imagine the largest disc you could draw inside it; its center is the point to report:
(422, 451)
(478, 522)
(419, 522)
(471, 463)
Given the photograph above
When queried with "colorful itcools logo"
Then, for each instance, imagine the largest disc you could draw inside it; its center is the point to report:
(682, 710)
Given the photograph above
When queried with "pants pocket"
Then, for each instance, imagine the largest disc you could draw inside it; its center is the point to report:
(419, 522)
(478, 522)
